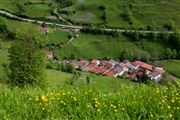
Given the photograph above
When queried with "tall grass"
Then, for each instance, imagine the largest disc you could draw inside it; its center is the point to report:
(139, 102)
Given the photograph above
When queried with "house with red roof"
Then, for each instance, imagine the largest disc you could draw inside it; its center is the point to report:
(113, 68)
(111, 74)
(106, 64)
(143, 65)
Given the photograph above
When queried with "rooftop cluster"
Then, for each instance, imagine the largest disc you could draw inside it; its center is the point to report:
(134, 70)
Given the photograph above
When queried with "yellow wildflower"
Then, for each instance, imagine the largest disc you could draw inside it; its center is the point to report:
(168, 107)
(36, 98)
(43, 98)
(170, 115)
(98, 110)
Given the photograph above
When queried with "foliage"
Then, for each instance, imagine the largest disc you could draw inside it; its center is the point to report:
(66, 68)
(27, 58)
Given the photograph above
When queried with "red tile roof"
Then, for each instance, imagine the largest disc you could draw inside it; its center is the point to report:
(102, 70)
(144, 65)
(80, 63)
(106, 64)
(149, 67)
(111, 73)
(91, 66)
(160, 70)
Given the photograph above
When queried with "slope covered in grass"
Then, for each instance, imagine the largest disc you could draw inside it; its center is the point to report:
(141, 13)
(118, 13)
(90, 46)
(31, 8)
(138, 102)
(173, 67)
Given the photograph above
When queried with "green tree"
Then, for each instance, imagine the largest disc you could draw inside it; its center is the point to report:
(146, 56)
(27, 58)
(168, 53)
(21, 8)
(69, 68)
(174, 53)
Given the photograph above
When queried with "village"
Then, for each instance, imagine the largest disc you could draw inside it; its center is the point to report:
(132, 70)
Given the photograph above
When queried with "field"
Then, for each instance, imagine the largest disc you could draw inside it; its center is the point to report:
(173, 66)
(90, 46)
(91, 102)
(143, 13)
(57, 36)
(32, 8)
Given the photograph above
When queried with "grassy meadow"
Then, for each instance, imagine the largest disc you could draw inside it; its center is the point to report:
(173, 66)
(88, 46)
(32, 8)
(83, 102)
(143, 13)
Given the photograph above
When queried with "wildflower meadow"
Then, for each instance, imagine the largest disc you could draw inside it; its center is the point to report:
(79, 103)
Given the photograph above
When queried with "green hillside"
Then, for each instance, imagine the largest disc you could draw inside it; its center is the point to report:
(89, 46)
(138, 13)
(115, 13)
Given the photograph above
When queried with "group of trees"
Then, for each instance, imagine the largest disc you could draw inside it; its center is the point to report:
(66, 68)
(27, 58)
(96, 30)
(169, 39)
(131, 55)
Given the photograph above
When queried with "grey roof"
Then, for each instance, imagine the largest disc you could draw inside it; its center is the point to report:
(118, 69)
(153, 74)
(85, 66)
(113, 62)
(129, 65)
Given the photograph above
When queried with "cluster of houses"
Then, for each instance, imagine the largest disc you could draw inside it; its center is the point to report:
(113, 68)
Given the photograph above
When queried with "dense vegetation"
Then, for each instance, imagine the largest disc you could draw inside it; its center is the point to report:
(27, 58)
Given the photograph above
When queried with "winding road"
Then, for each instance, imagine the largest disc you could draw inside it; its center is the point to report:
(10, 15)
